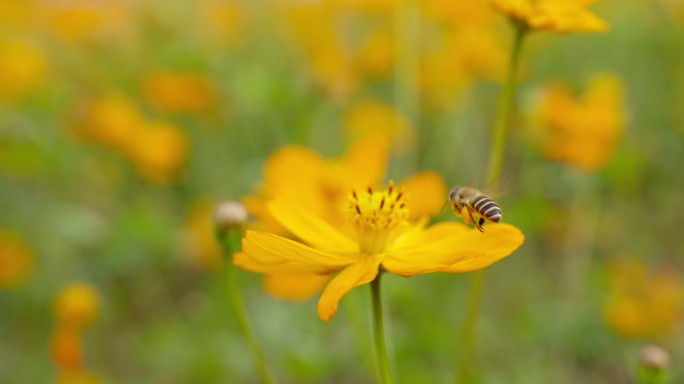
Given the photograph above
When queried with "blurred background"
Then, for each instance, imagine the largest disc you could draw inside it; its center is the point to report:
(123, 122)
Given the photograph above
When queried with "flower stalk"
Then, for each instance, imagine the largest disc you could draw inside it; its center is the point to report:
(465, 368)
(227, 240)
(379, 333)
(497, 149)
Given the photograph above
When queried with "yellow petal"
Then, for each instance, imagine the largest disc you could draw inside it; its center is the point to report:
(311, 228)
(497, 241)
(366, 159)
(243, 261)
(426, 192)
(279, 166)
(272, 252)
(409, 264)
(424, 251)
(565, 16)
(431, 238)
(361, 272)
(296, 287)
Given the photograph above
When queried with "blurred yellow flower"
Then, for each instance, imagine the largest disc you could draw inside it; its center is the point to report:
(466, 44)
(378, 237)
(335, 70)
(375, 55)
(643, 304)
(23, 67)
(16, 13)
(561, 16)
(222, 20)
(16, 259)
(199, 240)
(77, 305)
(81, 20)
(158, 150)
(111, 120)
(584, 132)
(374, 117)
(77, 377)
(179, 92)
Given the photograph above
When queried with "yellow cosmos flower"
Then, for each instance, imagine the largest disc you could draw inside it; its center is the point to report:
(222, 21)
(158, 150)
(321, 186)
(378, 237)
(23, 67)
(583, 132)
(643, 304)
(561, 16)
(110, 120)
(375, 55)
(82, 20)
(77, 305)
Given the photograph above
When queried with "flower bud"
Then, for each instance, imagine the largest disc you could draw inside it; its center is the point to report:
(654, 357)
(229, 215)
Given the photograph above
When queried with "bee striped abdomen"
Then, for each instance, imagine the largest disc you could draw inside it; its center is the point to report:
(487, 208)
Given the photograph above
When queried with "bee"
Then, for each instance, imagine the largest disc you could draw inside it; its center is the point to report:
(473, 206)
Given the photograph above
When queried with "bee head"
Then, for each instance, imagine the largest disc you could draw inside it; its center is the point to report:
(453, 194)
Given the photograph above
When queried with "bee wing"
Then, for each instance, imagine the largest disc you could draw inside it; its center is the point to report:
(497, 190)
(444, 206)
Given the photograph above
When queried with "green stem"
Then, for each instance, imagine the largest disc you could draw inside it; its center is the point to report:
(497, 149)
(238, 306)
(379, 334)
(466, 367)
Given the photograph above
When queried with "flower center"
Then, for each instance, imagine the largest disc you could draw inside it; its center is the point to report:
(374, 214)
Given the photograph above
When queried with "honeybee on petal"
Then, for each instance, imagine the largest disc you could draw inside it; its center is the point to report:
(474, 206)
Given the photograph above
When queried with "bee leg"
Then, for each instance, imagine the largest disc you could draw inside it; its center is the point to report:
(477, 219)
(479, 224)
(466, 215)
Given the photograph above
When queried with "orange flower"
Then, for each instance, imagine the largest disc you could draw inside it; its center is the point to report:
(378, 237)
(179, 92)
(559, 16)
(67, 349)
(583, 133)
(16, 260)
(81, 20)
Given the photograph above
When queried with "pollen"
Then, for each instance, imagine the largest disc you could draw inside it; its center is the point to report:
(375, 214)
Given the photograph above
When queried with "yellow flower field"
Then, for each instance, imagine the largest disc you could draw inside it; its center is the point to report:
(341, 191)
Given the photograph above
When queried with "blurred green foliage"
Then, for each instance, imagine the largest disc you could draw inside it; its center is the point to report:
(116, 214)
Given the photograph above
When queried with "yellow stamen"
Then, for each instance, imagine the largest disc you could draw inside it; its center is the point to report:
(374, 214)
